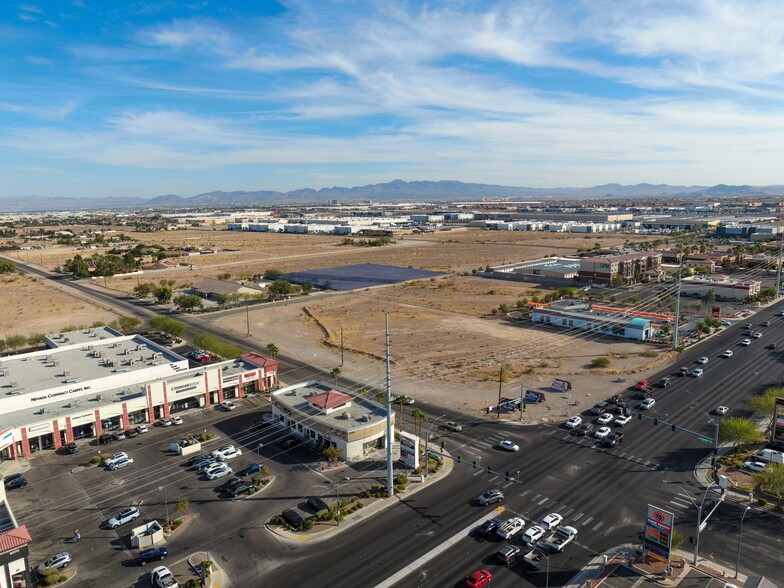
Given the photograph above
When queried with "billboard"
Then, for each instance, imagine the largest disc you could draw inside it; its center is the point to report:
(716, 311)
(534, 396)
(409, 450)
(777, 430)
(561, 385)
(657, 541)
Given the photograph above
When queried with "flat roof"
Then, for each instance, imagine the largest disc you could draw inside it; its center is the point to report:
(363, 412)
(90, 335)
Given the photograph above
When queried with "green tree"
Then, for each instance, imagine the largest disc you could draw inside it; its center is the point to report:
(224, 276)
(677, 539)
(129, 324)
(280, 288)
(163, 294)
(709, 299)
(419, 418)
(183, 505)
(3, 346)
(7, 267)
(77, 266)
(14, 342)
(35, 340)
(771, 480)
(307, 288)
(167, 325)
(272, 349)
(763, 404)
(331, 453)
(143, 290)
(768, 292)
(271, 274)
(738, 431)
(335, 373)
(188, 302)
(600, 362)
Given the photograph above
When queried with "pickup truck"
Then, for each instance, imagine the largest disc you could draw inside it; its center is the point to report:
(510, 528)
(533, 559)
(561, 538)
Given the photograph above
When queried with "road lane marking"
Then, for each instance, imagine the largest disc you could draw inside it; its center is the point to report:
(543, 500)
(536, 497)
(608, 530)
(576, 518)
(597, 526)
(524, 493)
(588, 520)
(435, 552)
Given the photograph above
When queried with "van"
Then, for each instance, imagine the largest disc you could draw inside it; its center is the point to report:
(769, 455)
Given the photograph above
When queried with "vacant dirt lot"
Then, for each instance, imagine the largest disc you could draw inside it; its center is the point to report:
(33, 306)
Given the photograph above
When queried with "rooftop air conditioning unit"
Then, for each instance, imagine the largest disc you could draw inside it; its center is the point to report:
(14, 383)
(346, 415)
(91, 347)
(56, 363)
(2, 373)
(66, 373)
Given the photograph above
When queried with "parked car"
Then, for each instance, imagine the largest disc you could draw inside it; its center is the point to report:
(238, 489)
(126, 515)
(105, 439)
(218, 472)
(574, 422)
(479, 579)
(207, 464)
(226, 405)
(664, 382)
(57, 561)
(229, 484)
(725, 322)
(161, 577)
(293, 518)
(143, 428)
(488, 528)
(509, 445)
(71, 448)
(218, 466)
(551, 521)
(251, 469)
(217, 453)
(115, 458)
(230, 454)
(754, 466)
(490, 497)
(176, 420)
(14, 481)
(317, 504)
(647, 404)
(152, 554)
(166, 422)
(121, 463)
(118, 435)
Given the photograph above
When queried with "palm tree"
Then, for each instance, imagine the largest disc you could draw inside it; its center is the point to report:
(419, 418)
(336, 371)
(272, 349)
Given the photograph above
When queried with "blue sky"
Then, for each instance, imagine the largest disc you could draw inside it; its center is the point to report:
(136, 98)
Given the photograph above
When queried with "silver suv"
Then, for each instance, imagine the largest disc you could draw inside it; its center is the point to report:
(452, 426)
(490, 497)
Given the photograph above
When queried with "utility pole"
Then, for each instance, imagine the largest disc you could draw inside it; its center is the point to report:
(778, 273)
(677, 308)
(341, 346)
(247, 320)
(390, 437)
(522, 400)
(500, 381)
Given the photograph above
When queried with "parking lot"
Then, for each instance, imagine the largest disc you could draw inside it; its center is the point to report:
(64, 494)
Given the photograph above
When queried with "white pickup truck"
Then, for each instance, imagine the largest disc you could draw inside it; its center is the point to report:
(560, 538)
(510, 528)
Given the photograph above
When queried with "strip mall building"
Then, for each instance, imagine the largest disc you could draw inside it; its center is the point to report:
(95, 381)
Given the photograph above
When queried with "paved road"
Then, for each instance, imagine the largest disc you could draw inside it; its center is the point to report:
(601, 492)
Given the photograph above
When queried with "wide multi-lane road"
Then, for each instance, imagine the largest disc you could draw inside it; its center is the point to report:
(602, 492)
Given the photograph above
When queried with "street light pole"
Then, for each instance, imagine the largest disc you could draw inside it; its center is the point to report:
(337, 482)
(547, 557)
(427, 442)
(166, 501)
(740, 538)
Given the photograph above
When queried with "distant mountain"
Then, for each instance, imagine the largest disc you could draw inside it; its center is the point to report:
(394, 191)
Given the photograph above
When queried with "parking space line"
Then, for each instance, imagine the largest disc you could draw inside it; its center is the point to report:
(578, 517)
(597, 526)
(542, 501)
(588, 520)
(608, 530)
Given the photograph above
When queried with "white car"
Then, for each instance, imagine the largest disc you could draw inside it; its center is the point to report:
(605, 419)
(697, 373)
(227, 405)
(703, 360)
(727, 353)
(574, 422)
(754, 466)
(509, 445)
(552, 520)
(176, 420)
(126, 515)
(221, 450)
(722, 409)
(757, 335)
(647, 404)
(60, 560)
(725, 322)
(746, 342)
(231, 454)
(602, 432)
(115, 458)
(167, 422)
(218, 472)
(161, 577)
(142, 428)
(623, 419)
(121, 463)
(533, 534)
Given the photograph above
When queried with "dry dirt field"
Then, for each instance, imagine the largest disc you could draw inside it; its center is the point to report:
(33, 306)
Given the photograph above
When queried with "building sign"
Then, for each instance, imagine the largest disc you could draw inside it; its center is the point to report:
(6, 438)
(250, 377)
(66, 392)
(534, 396)
(409, 450)
(561, 385)
(658, 534)
(184, 388)
(716, 311)
(777, 436)
(230, 379)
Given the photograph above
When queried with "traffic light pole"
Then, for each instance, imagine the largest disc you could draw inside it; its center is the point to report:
(700, 437)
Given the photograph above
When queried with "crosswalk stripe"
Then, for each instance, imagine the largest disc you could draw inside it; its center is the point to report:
(622, 454)
(577, 517)
(536, 497)
(597, 526)
(608, 530)
(586, 521)
(524, 493)
(568, 512)
(543, 500)
(509, 483)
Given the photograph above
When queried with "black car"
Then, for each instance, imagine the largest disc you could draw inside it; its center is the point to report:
(292, 518)
(613, 439)
(772, 346)
(241, 488)
(131, 433)
(152, 554)
(488, 528)
(664, 382)
(646, 393)
(317, 504)
(14, 481)
(229, 484)
(105, 439)
(584, 429)
(599, 407)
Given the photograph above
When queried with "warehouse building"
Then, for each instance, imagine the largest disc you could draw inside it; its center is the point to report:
(91, 382)
(323, 417)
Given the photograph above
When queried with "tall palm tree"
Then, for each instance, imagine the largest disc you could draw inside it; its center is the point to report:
(336, 371)
(419, 418)
(272, 349)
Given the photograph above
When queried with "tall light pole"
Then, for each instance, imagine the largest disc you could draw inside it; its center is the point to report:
(427, 441)
(166, 501)
(337, 482)
(677, 309)
(700, 523)
(547, 557)
(388, 402)
(740, 538)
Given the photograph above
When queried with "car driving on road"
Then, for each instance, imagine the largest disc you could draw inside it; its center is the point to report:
(509, 445)
(624, 419)
(574, 422)
(727, 353)
(605, 419)
(746, 342)
(490, 497)
(647, 404)
(697, 373)
(602, 432)
(551, 521)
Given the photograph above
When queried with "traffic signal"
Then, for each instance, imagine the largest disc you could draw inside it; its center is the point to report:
(523, 405)
(639, 416)
(673, 427)
(655, 421)
(458, 459)
(507, 475)
(442, 446)
(691, 539)
(473, 464)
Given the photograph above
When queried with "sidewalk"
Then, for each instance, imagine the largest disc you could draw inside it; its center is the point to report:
(364, 513)
(623, 559)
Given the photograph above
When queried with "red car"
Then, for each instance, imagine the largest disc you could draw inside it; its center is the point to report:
(479, 579)
(642, 385)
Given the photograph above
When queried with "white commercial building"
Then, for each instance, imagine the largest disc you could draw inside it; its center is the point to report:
(97, 380)
(723, 287)
(323, 417)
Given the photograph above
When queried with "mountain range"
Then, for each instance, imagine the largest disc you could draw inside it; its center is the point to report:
(394, 191)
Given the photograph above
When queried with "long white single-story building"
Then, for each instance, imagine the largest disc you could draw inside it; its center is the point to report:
(97, 380)
(585, 318)
(323, 417)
